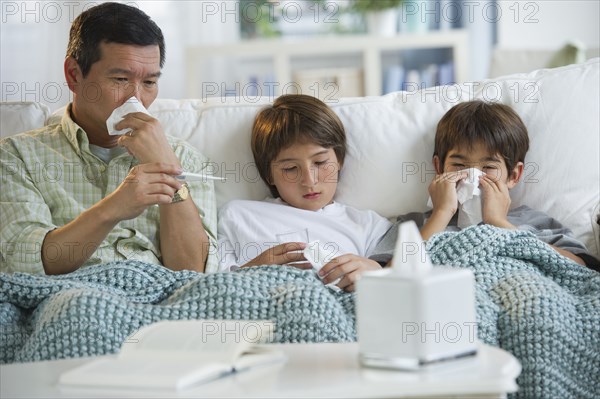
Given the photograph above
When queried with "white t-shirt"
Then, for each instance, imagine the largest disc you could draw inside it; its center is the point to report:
(248, 228)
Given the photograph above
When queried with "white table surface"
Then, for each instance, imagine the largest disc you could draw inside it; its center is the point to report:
(311, 370)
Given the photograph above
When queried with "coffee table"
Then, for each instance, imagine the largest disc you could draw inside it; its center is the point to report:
(311, 370)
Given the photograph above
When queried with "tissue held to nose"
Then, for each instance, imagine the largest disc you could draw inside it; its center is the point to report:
(469, 199)
(130, 106)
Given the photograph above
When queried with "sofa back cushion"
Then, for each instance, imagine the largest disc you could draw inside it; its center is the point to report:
(17, 117)
(390, 142)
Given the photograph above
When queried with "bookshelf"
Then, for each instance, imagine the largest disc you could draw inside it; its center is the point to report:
(357, 58)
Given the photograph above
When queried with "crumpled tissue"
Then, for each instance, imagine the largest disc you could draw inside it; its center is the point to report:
(130, 106)
(468, 194)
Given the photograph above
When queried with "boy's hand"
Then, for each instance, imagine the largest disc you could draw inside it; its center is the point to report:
(347, 267)
(496, 202)
(443, 192)
(445, 202)
(282, 254)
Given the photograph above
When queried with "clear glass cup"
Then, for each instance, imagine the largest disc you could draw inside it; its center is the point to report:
(293, 236)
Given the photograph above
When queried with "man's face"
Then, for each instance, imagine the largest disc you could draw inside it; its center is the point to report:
(123, 71)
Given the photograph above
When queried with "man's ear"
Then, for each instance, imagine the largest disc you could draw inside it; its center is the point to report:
(515, 175)
(73, 73)
(437, 164)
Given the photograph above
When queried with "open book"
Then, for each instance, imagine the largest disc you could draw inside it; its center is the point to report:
(177, 354)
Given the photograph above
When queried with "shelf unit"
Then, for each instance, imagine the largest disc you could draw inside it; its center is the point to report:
(280, 53)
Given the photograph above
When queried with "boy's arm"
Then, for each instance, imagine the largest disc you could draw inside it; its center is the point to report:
(569, 255)
(496, 202)
(348, 268)
(436, 223)
(442, 191)
(553, 233)
(282, 254)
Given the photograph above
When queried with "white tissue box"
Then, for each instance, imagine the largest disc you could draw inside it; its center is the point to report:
(409, 321)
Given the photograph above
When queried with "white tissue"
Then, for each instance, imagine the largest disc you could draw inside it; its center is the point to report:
(410, 256)
(130, 106)
(468, 194)
(318, 257)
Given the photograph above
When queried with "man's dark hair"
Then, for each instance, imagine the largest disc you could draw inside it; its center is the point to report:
(111, 23)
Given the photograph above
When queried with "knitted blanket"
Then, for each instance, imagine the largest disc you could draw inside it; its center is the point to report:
(532, 302)
(93, 310)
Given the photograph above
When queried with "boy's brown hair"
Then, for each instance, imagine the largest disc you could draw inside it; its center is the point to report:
(292, 119)
(497, 126)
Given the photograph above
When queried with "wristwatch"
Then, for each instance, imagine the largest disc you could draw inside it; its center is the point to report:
(182, 194)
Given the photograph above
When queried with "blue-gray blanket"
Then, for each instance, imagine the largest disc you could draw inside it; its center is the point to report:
(531, 301)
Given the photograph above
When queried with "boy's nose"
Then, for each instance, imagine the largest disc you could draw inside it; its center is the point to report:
(309, 177)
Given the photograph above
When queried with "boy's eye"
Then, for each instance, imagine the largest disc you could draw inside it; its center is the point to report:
(458, 165)
(492, 167)
(289, 168)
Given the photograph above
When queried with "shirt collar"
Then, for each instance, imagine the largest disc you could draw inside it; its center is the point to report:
(78, 138)
(74, 133)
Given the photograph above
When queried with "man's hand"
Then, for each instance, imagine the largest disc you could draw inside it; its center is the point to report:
(145, 185)
(146, 141)
(282, 254)
(348, 267)
(496, 202)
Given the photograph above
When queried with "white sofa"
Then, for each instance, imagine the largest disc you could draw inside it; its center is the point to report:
(390, 140)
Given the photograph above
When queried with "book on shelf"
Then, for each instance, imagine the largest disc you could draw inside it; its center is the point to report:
(178, 354)
(396, 77)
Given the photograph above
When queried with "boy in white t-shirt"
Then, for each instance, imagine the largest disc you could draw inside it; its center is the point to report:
(299, 145)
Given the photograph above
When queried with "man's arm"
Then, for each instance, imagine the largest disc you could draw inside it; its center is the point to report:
(24, 216)
(184, 242)
(67, 248)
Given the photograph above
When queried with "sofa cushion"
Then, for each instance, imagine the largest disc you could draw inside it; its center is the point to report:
(390, 142)
(17, 117)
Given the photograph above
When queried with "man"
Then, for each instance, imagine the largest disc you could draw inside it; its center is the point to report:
(73, 195)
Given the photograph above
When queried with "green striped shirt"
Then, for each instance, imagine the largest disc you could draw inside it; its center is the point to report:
(49, 176)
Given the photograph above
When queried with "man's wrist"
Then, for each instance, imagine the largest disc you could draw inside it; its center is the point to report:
(182, 194)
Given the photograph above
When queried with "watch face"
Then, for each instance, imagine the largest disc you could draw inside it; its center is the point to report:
(183, 192)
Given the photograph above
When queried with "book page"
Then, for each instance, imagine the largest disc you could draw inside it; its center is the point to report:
(201, 340)
(177, 354)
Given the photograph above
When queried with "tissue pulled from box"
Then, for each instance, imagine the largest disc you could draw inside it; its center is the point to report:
(130, 106)
(410, 254)
(468, 194)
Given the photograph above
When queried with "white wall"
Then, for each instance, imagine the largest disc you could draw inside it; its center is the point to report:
(548, 24)
(34, 35)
